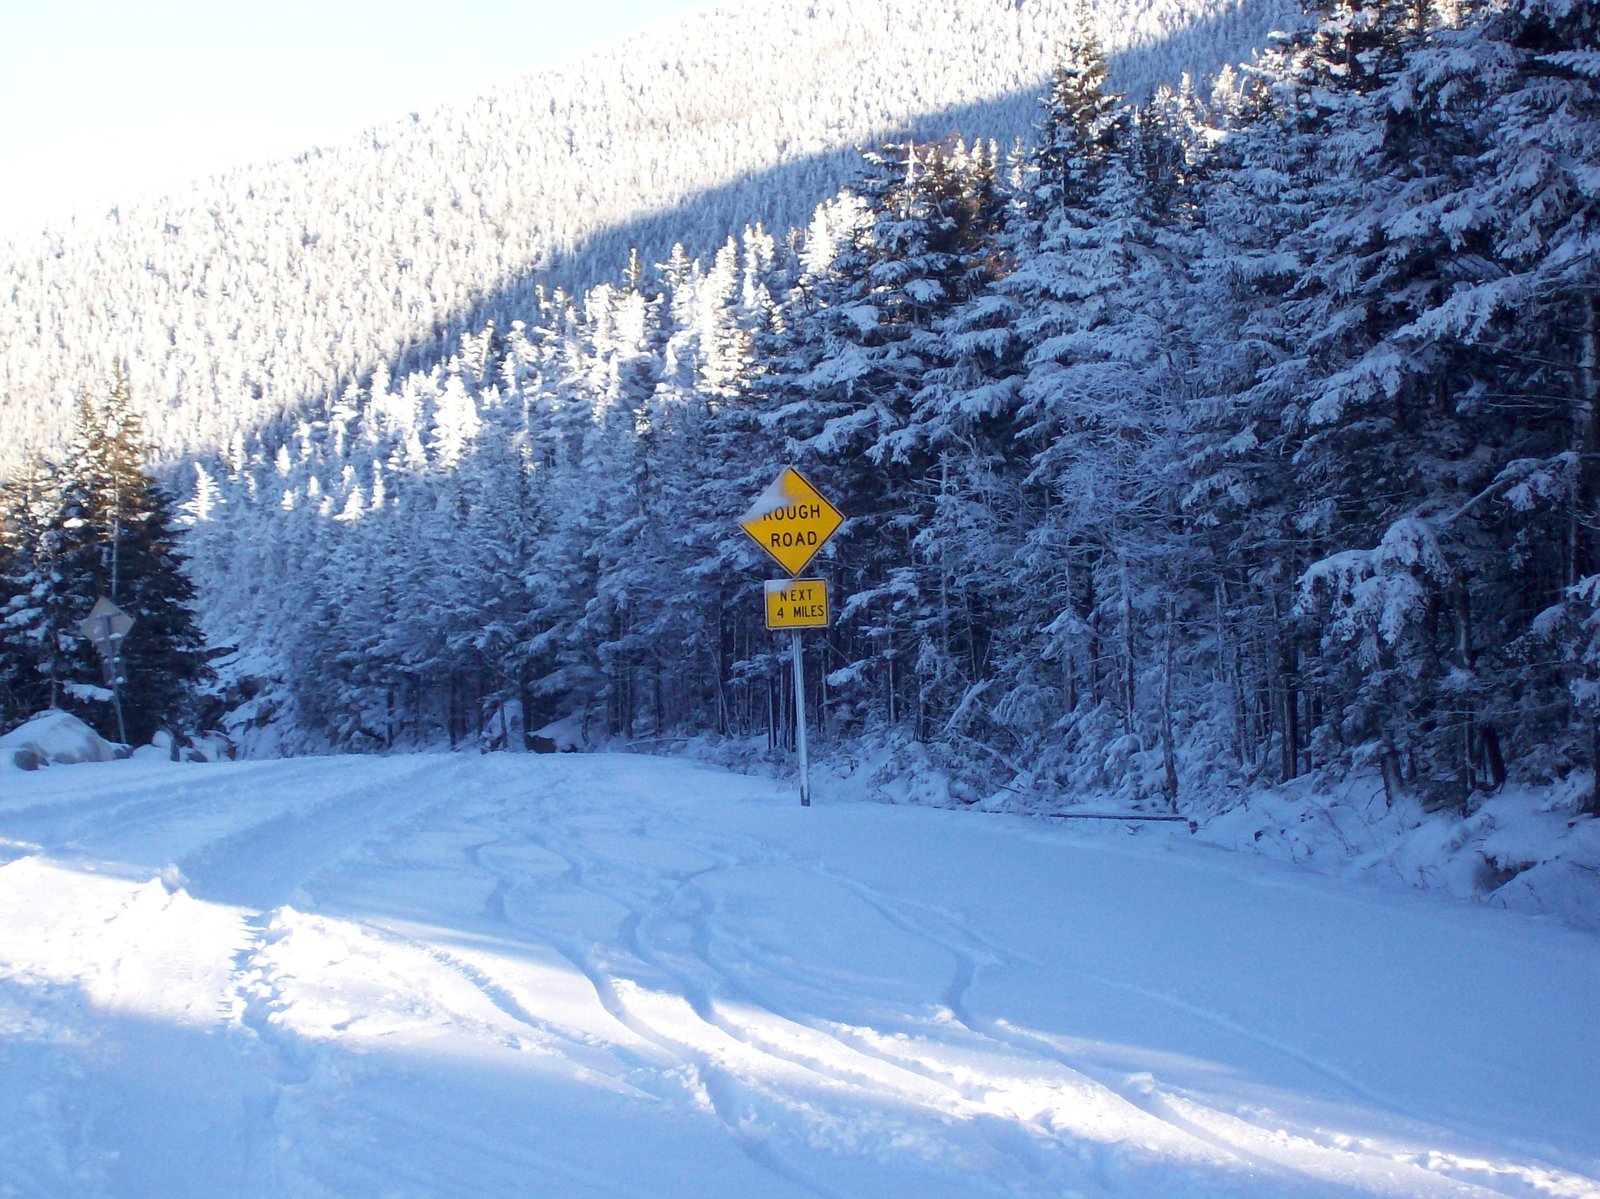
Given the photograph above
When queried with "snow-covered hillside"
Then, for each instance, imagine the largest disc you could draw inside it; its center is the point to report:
(611, 976)
(278, 284)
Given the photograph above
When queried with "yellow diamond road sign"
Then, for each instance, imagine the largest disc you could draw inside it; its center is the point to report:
(797, 603)
(791, 520)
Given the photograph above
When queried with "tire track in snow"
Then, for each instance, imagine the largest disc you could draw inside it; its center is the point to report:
(1295, 1157)
(546, 1035)
(702, 1070)
(815, 1047)
(1249, 1139)
(102, 818)
(494, 904)
(713, 1084)
(914, 1080)
(970, 954)
(695, 1072)
(265, 863)
(647, 909)
(1231, 1026)
(471, 968)
(1325, 1164)
(1246, 1141)
(55, 800)
(1141, 1091)
(783, 1035)
(1031, 1140)
(699, 984)
(908, 1081)
(257, 866)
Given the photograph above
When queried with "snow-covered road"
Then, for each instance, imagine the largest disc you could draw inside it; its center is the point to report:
(621, 976)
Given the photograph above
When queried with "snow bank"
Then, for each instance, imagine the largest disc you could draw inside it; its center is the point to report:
(54, 739)
(1526, 849)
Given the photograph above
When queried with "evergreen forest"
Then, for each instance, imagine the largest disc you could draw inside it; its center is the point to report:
(1211, 437)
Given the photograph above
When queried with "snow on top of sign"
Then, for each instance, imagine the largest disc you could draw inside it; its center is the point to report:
(775, 496)
(105, 622)
(771, 586)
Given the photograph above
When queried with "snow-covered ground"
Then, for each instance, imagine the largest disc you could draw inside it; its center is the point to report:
(619, 976)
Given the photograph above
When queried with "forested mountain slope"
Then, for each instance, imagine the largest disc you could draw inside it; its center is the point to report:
(274, 287)
(1219, 438)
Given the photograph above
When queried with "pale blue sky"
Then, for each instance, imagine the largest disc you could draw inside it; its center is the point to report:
(104, 100)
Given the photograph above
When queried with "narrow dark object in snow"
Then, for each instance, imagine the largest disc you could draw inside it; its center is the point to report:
(1118, 816)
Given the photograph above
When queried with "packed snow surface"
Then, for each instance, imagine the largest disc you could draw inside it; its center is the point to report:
(620, 976)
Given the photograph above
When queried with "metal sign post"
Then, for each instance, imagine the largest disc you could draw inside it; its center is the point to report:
(796, 604)
(791, 521)
(800, 721)
(106, 626)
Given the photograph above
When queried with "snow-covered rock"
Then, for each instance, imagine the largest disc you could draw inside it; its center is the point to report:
(54, 739)
(562, 736)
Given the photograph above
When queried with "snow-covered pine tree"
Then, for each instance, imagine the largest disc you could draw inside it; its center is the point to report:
(1070, 686)
(30, 620)
(1533, 312)
(845, 393)
(108, 530)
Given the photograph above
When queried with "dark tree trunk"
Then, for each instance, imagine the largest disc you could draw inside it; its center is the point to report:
(1389, 764)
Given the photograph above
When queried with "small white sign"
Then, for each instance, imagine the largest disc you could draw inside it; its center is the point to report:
(106, 626)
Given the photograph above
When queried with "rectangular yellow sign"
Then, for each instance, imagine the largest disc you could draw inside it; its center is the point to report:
(797, 604)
